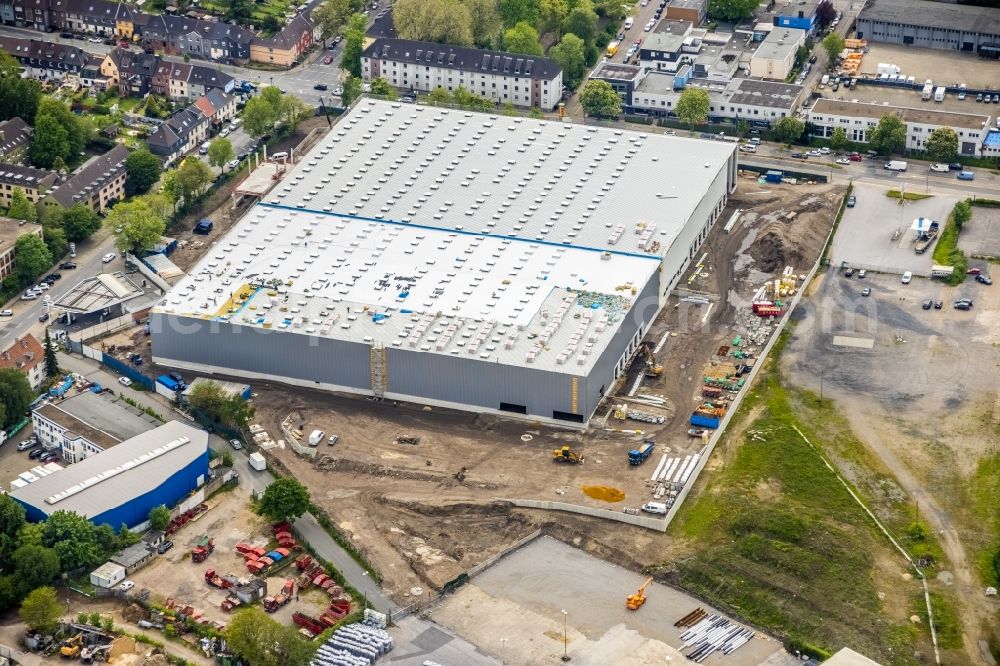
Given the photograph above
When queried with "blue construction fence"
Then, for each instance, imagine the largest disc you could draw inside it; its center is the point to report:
(127, 370)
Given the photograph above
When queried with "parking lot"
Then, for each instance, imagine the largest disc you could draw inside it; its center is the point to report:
(525, 594)
(866, 236)
(944, 67)
(981, 235)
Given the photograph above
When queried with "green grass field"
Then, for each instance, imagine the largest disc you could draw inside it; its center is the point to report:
(779, 541)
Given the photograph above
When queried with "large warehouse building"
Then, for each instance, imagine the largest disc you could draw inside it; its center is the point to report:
(487, 263)
(933, 25)
(120, 485)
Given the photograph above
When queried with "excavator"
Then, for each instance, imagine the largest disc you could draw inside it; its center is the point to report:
(653, 369)
(635, 601)
(71, 646)
(567, 455)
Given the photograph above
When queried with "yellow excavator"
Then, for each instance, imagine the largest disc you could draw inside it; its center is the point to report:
(71, 646)
(567, 455)
(635, 601)
(653, 369)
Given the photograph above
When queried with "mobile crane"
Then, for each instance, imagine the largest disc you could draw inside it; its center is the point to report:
(635, 601)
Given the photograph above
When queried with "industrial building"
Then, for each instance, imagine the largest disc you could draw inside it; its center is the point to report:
(775, 56)
(933, 25)
(475, 261)
(119, 486)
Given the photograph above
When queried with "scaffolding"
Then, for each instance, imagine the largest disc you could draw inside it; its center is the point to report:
(379, 369)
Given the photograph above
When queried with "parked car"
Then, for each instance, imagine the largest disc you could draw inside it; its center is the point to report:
(851, 201)
(125, 381)
(800, 156)
(927, 304)
(966, 175)
(126, 585)
(236, 444)
(36, 454)
(44, 317)
(854, 157)
(67, 266)
(938, 305)
(164, 547)
(108, 258)
(862, 273)
(6, 313)
(983, 279)
(975, 270)
(866, 291)
(907, 276)
(849, 273)
(955, 166)
(812, 59)
(204, 227)
(332, 440)
(327, 60)
(48, 457)
(843, 160)
(232, 164)
(320, 86)
(27, 444)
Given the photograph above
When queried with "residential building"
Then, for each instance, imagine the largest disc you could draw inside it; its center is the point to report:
(695, 11)
(203, 79)
(44, 60)
(287, 46)
(179, 134)
(209, 40)
(171, 79)
(524, 81)
(15, 138)
(98, 184)
(131, 72)
(119, 486)
(934, 25)
(181, 82)
(775, 57)
(27, 355)
(674, 44)
(798, 14)
(623, 78)
(668, 50)
(87, 423)
(91, 75)
(859, 118)
(32, 14)
(100, 17)
(34, 182)
(10, 231)
(217, 106)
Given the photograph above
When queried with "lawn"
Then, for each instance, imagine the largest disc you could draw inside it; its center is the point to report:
(776, 538)
(947, 252)
(909, 196)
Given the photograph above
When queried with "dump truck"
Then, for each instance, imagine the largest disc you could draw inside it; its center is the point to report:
(226, 582)
(204, 548)
(567, 455)
(273, 602)
(926, 239)
(637, 456)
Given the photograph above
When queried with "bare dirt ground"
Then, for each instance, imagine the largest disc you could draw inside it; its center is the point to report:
(425, 513)
(923, 399)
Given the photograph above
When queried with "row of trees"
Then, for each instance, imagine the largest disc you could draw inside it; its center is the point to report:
(269, 107)
(739, 10)
(212, 400)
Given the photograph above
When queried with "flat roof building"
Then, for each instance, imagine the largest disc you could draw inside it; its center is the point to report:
(933, 25)
(452, 258)
(10, 231)
(775, 56)
(119, 486)
(695, 11)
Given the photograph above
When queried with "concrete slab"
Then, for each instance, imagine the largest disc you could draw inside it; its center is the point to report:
(859, 343)
(517, 606)
(944, 67)
(865, 236)
(981, 235)
(418, 641)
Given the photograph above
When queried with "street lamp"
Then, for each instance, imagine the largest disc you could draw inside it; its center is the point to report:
(565, 656)
(363, 591)
(502, 642)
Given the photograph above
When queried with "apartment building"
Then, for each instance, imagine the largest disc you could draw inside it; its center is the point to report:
(44, 60)
(99, 17)
(775, 56)
(33, 182)
(524, 81)
(287, 46)
(28, 356)
(859, 118)
(131, 72)
(98, 184)
(15, 139)
(197, 38)
(179, 135)
(10, 231)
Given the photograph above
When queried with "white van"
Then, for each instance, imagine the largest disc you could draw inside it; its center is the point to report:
(315, 437)
(279, 156)
(655, 507)
(203, 150)
(629, 22)
(940, 168)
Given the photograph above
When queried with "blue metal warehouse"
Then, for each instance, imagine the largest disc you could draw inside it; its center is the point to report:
(120, 485)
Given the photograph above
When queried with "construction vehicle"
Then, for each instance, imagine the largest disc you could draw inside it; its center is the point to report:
(635, 601)
(90, 654)
(203, 549)
(567, 455)
(653, 369)
(274, 602)
(638, 455)
(227, 582)
(70, 647)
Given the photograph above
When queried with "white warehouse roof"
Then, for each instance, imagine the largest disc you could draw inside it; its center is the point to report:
(458, 233)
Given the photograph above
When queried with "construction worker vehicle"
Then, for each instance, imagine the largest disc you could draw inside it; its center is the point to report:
(567, 455)
(70, 647)
(635, 601)
(227, 582)
(653, 369)
(274, 602)
(204, 548)
(638, 455)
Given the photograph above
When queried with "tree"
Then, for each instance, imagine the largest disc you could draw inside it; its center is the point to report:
(259, 117)
(285, 498)
(332, 15)
(79, 222)
(571, 56)
(522, 38)
(731, 10)
(263, 642)
(20, 207)
(52, 370)
(692, 107)
(35, 566)
(354, 43)
(143, 169)
(49, 142)
(75, 130)
(293, 111)
(18, 97)
(833, 44)
(508, 109)
(193, 176)
(552, 14)
(41, 610)
(825, 13)
(15, 394)
(962, 213)
(838, 141)
(513, 12)
(237, 412)
(599, 99)
(487, 28)
(444, 21)
(55, 239)
(439, 96)
(352, 90)
(381, 88)
(788, 130)
(32, 258)
(159, 517)
(136, 224)
(942, 144)
(581, 22)
(11, 525)
(208, 397)
(889, 136)
(220, 152)
(742, 128)
(75, 540)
